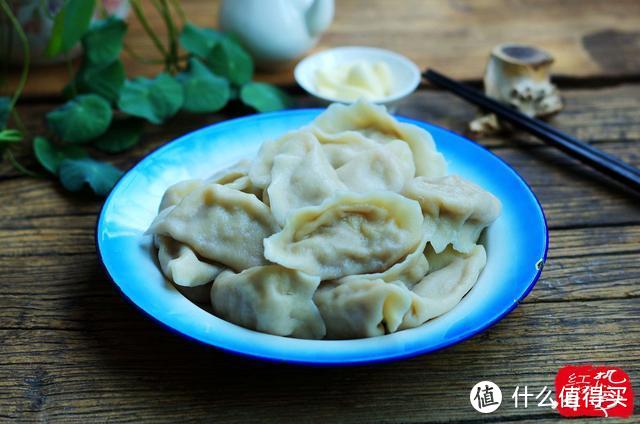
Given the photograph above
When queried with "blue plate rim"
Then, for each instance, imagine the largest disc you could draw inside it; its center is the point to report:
(327, 363)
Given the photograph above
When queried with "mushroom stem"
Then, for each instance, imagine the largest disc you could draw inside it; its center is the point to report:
(519, 75)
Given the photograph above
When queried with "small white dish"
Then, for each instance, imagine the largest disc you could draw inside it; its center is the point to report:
(405, 73)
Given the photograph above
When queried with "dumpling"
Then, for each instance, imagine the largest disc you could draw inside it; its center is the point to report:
(271, 299)
(362, 308)
(221, 224)
(245, 185)
(231, 173)
(386, 167)
(372, 122)
(294, 143)
(458, 209)
(234, 176)
(443, 288)
(301, 181)
(408, 271)
(174, 194)
(344, 147)
(180, 264)
(348, 234)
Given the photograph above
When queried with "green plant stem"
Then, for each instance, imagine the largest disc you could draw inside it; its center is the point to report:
(25, 48)
(127, 48)
(178, 8)
(172, 40)
(137, 9)
(19, 167)
(18, 121)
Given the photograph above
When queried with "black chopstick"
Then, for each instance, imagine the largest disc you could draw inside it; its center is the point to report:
(597, 159)
(546, 127)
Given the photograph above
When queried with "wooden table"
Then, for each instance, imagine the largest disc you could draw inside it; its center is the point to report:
(71, 348)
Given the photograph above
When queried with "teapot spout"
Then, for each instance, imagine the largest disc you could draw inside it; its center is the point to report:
(319, 16)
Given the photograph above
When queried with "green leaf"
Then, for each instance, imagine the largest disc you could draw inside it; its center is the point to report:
(230, 60)
(5, 103)
(264, 97)
(74, 174)
(81, 119)
(69, 25)
(203, 90)
(198, 41)
(122, 135)
(103, 42)
(49, 155)
(104, 80)
(153, 99)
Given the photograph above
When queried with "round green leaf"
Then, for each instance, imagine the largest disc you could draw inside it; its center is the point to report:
(49, 155)
(74, 174)
(230, 60)
(198, 41)
(121, 136)
(103, 42)
(81, 119)
(264, 97)
(203, 90)
(106, 80)
(153, 99)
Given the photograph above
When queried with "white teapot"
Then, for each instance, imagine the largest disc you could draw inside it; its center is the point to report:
(276, 31)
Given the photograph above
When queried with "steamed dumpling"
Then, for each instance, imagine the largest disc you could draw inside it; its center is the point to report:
(180, 264)
(294, 143)
(386, 167)
(301, 181)
(362, 307)
(231, 173)
(271, 299)
(344, 147)
(221, 224)
(244, 185)
(443, 288)
(458, 209)
(177, 192)
(372, 122)
(408, 271)
(236, 176)
(348, 234)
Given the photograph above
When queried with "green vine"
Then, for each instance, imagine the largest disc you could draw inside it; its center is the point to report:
(106, 110)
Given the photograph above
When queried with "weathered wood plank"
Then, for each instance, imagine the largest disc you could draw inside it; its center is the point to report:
(588, 38)
(151, 374)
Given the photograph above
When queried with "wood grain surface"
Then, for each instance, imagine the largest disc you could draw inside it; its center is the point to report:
(72, 349)
(588, 38)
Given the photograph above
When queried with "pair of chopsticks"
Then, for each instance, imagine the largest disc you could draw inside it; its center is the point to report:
(608, 165)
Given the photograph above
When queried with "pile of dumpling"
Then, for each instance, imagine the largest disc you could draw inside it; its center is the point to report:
(346, 228)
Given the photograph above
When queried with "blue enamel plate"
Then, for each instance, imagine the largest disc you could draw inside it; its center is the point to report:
(516, 246)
